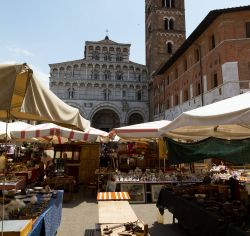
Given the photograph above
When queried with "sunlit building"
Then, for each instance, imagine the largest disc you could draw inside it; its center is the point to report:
(108, 89)
(212, 64)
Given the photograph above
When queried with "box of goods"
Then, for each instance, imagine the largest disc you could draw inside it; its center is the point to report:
(16, 227)
(224, 191)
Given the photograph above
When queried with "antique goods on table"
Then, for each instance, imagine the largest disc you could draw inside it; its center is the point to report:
(213, 210)
(144, 186)
(41, 206)
(65, 183)
(117, 218)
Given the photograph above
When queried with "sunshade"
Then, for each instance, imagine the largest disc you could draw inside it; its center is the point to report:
(23, 97)
(18, 125)
(102, 136)
(54, 133)
(227, 119)
(148, 130)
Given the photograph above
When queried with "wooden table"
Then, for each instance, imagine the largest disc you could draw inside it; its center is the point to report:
(114, 215)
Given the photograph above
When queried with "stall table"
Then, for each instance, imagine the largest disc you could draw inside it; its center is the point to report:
(144, 191)
(112, 196)
(114, 214)
(18, 184)
(62, 182)
(194, 218)
(49, 221)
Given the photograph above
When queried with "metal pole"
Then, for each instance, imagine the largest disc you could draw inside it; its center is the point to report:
(4, 173)
(201, 76)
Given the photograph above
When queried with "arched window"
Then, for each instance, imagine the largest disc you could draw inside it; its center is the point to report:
(119, 57)
(171, 24)
(185, 97)
(139, 95)
(198, 92)
(166, 24)
(139, 77)
(95, 56)
(168, 3)
(119, 75)
(107, 56)
(123, 93)
(106, 93)
(95, 74)
(71, 93)
(176, 99)
(107, 75)
(169, 48)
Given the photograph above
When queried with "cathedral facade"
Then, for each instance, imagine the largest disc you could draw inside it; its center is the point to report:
(108, 89)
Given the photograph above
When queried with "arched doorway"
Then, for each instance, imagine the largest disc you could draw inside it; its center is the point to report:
(135, 119)
(106, 120)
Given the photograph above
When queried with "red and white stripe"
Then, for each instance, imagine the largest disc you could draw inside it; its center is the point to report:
(112, 196)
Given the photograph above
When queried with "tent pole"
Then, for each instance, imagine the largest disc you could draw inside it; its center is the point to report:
(4, 171)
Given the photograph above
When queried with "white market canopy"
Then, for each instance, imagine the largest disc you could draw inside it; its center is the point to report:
(229, 119)
(18, 125)
(23, 97)
(55, 133)
(148, 130)
(102, 136)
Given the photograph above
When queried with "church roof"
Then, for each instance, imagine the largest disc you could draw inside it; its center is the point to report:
(207, 21)
(107, 41)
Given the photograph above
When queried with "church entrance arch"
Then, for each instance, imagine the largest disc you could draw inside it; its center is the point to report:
(135, 118)
(106, 120)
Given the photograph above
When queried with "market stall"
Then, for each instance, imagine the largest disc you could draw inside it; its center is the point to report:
(219, 130)
(23, 97)
(202, 210)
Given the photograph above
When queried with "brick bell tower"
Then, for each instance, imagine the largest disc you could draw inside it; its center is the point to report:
(165, 30)
(165, 33)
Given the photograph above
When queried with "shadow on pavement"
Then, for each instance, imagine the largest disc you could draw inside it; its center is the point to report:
(166, 229)
(83, 195)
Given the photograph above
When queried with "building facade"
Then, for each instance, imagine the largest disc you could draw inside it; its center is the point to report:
(108, 89)
(165, 33)
(212, 64)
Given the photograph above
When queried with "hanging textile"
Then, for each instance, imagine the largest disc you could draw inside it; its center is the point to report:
(235, 151)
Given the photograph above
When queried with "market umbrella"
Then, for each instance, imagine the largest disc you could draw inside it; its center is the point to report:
(18, 125)
(102, 136)
(23, 97)
(51, 132)
(142, 131)
(227, 119)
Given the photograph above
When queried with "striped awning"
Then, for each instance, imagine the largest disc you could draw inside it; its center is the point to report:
(50, 130)
(103, 196)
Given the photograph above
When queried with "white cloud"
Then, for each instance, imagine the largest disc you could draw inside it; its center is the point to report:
(19, 50)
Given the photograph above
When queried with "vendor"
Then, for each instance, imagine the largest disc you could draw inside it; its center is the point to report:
(48, 165)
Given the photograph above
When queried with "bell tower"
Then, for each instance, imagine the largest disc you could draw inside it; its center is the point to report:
(165, 30)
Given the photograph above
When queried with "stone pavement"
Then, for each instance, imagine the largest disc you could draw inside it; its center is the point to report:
(82, 213)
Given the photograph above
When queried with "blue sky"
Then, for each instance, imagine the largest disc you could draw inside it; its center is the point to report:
(50, 31)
